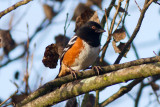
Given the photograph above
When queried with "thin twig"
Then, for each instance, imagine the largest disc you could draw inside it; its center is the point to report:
(65, 29)
(9, 97)
(155, 53)
(139, 94)
(154, 91)
(137, 5)
(122, 15)
(14, 84)
(119, 21)
(127, 1)
(157, 2)
(97, 99)
(133, 46)
(122, 91)
(32, 59)
(26, 76)
(11, 103)
(107, 20)
(107, 12)
(107, 29)
(65, 26)
(13, 7)
(135, 31)
(110, 32)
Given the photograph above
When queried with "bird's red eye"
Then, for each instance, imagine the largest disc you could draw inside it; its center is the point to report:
(93, 27)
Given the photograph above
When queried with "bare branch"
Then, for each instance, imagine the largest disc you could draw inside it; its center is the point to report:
(137, 5)
(84, 74)
(139, 94)
(79, 87)
(14, 7)
(110, 32)
(135, 31)
(121, 92)
(107, 12)
(9, 97)
(133, 46)
(125, 7)
(97, 99)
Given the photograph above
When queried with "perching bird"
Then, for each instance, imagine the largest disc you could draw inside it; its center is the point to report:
(82, 50)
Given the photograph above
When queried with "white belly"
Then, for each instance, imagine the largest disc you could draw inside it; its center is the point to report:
(86, 58)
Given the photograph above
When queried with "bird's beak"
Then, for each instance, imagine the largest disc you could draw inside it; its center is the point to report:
(100, 31)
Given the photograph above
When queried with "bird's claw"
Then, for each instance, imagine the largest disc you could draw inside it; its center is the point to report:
(73, 72)
(97, 69)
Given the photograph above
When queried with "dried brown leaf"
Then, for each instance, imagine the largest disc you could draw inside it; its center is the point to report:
(48, 10)
(51, 56)
(120, 47)
(95, 2)
(83, 18)
(6, 41)
(155, 86)
(88, 100)
(61, 42)
(95, 17)
(116, 49)
(72, 102)
(81, 7)
(119, 34)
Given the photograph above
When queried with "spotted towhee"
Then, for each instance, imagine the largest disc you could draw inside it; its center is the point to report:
(82, 50)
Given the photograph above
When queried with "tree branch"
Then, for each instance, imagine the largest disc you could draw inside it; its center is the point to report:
(79, 87)
(121, 92)
(13, 7)
(139, 94)
(81, 75)
(107, 13)
(110, 32)
(143, 11)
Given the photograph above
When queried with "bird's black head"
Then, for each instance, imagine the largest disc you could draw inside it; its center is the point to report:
(90, 32)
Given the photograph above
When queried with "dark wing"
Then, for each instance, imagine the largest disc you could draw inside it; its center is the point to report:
(69, 45)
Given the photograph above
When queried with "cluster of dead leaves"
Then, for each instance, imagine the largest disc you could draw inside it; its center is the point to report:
(51, 56)
(6, 41)
(81, 7)
(54, 51)
(118, 35)
(87, 15)
(49, 10)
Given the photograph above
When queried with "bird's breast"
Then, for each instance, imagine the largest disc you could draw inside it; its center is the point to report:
(86, 57)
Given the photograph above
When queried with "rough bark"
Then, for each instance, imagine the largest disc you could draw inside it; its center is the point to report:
(79, 87)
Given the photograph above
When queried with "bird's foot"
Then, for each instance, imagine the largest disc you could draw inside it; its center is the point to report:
(73, 72)
(97, 69)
